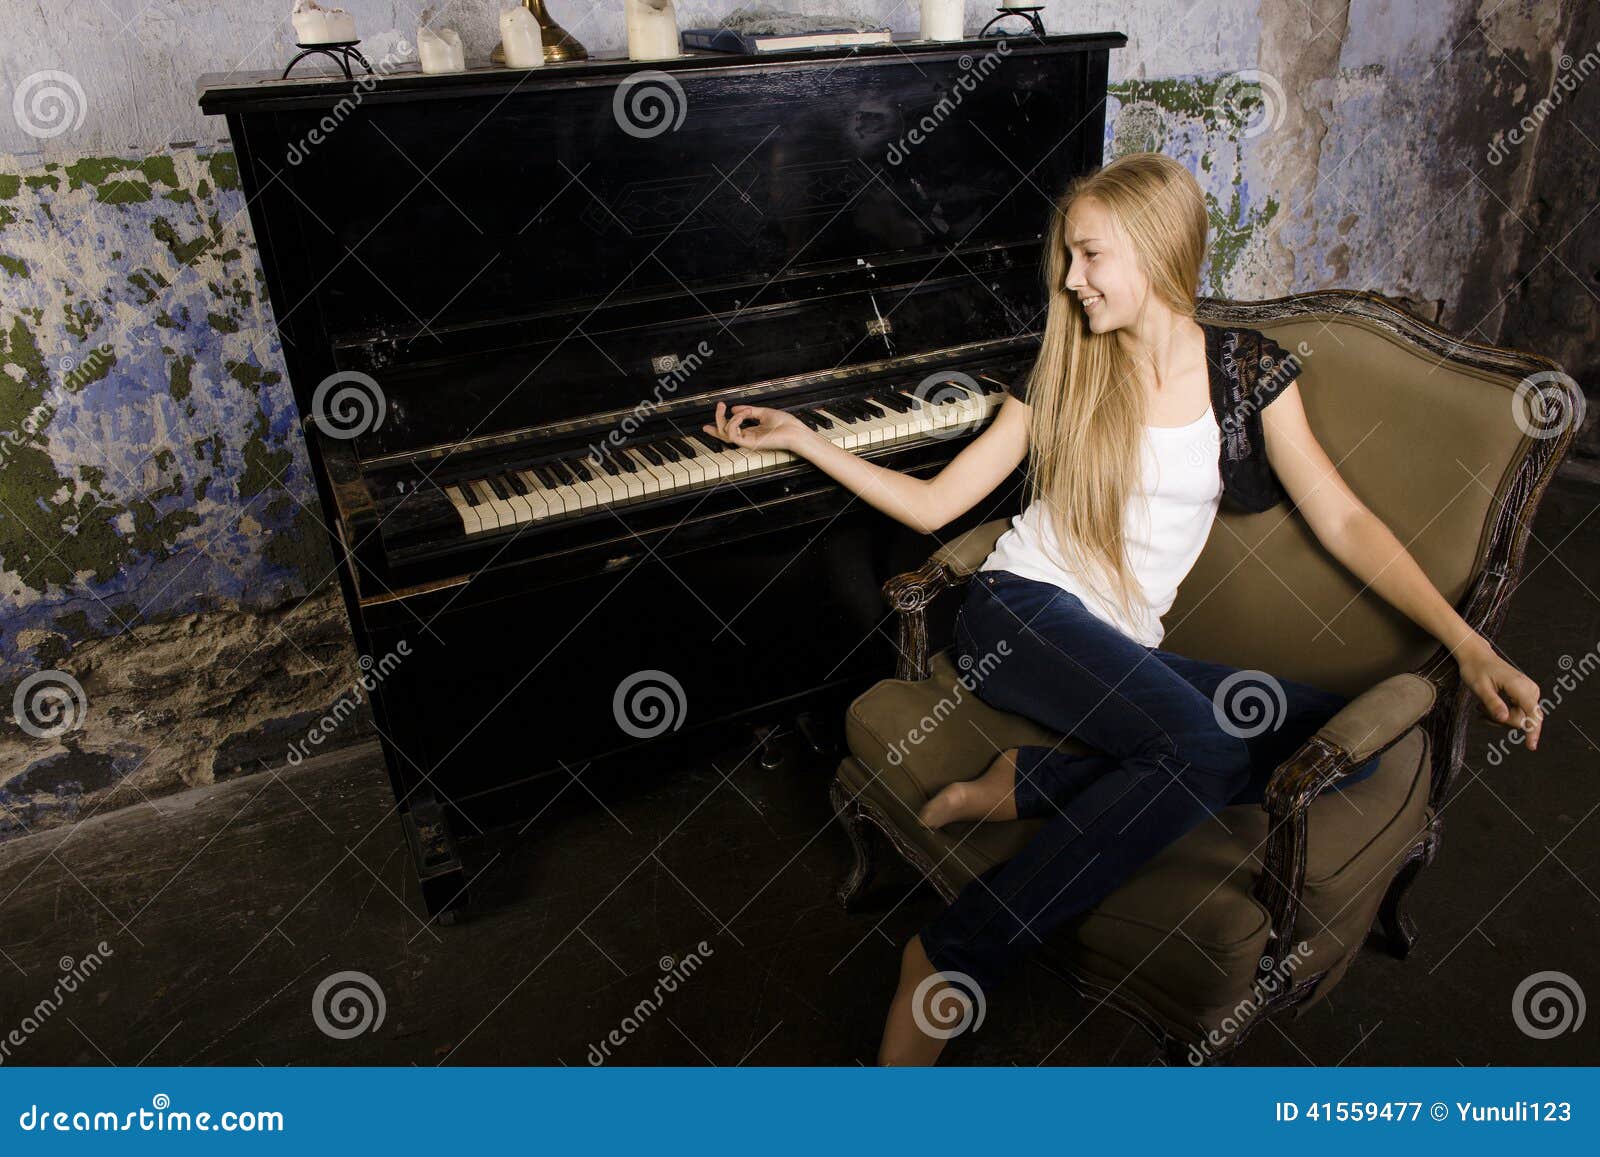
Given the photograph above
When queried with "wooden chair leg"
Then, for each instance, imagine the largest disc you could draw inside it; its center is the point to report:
(860, 834)
(1398, 928)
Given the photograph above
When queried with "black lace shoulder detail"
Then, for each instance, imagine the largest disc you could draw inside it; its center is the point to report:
(1250, 370)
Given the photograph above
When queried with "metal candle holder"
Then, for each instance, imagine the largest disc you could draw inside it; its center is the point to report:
(1031, 15)
(341, 52)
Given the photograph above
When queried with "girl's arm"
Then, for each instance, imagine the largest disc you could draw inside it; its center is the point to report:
(923, 504)
(1359, 539)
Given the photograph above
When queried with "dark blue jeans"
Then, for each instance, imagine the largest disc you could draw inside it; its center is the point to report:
(1175, 740)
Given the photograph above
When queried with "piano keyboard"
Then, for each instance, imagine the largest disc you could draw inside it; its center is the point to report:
(577, 484)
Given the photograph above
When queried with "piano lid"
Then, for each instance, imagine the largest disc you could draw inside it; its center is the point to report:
(573, 226)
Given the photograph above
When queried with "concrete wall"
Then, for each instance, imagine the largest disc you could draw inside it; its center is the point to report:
(160, 540)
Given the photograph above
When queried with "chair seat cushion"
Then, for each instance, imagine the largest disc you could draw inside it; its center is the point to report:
(1183, 932)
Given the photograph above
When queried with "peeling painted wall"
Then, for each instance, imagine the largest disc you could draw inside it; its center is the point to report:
(157, 521)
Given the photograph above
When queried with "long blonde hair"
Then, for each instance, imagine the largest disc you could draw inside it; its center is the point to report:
(1088, 406)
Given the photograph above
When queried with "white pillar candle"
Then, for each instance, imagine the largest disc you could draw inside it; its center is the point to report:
(519, 36)
(314, 24)
(440, 51)
(941, 19)
(652, 29)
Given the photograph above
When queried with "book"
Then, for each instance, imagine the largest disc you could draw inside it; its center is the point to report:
(732, 40)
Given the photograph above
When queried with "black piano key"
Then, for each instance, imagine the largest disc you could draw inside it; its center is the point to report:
(681, 444)
(649, 455)
(495, 488)
(705, 445)
(546, 475)
(577, 466)
(664, 447)
(518, 486)
(915, 403)
(601, 461)
(466, 490)
(890, 399)
(819, 420)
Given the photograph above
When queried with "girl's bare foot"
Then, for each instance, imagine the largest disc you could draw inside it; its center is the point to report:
(904, 1042)
(989, 797)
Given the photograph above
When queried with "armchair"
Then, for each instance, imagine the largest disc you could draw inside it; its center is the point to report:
(1241, 921)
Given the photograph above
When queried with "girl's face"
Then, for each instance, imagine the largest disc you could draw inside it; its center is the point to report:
(1103, 273)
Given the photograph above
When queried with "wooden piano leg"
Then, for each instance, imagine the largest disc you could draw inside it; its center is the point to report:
(439, 869)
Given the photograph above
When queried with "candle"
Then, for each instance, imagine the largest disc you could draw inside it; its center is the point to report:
(314, 24)
(941, 19)
(652, 29)
(440, 51)
(519, 35)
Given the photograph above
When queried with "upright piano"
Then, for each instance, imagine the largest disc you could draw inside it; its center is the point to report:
(508, 300)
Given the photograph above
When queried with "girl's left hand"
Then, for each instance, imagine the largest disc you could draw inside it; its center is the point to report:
(1488, 675)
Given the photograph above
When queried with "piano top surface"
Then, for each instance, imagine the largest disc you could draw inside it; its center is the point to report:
(225, 92)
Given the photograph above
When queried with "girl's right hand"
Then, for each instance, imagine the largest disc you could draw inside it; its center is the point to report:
(771, 429)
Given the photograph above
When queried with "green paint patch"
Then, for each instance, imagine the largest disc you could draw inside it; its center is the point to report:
(10, 185)
(263, 466)
(184, 252)
(251, 376)
(303, 549)
(38, 181)
(182, 382)
(222, 323)
(81, 319)
(122, 193)
(224, 170)
(160, 169)
(15, 266)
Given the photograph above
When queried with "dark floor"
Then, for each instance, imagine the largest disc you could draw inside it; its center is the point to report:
(224, 909)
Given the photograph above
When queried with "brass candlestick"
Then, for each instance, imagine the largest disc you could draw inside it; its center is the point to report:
(558, 43)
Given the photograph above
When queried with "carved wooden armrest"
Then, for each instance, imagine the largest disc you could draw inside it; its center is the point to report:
(909, 594)
(1368, 725)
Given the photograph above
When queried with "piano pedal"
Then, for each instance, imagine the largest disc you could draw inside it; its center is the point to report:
(772, 752)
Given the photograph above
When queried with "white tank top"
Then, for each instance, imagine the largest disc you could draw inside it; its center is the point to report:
(1165, 527)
